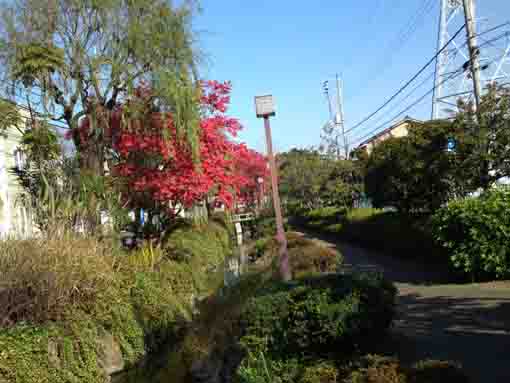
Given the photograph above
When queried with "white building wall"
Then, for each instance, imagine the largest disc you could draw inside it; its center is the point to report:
(15, 219)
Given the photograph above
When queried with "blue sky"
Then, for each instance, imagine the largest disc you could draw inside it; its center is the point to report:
(288, 48)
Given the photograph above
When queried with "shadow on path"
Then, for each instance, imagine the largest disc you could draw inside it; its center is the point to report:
(396, 269)
(474, 331)
(468, 323)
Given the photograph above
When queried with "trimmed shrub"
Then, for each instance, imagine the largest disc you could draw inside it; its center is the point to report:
(307, 257)
(390, 232)
(323, 316)
(476, 232)
(323, 217)
(313, 259)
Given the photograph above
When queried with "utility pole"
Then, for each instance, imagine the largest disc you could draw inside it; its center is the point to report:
(474, 52)
(339, 120)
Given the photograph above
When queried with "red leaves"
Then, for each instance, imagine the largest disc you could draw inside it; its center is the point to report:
(163, 169)
(216, 95)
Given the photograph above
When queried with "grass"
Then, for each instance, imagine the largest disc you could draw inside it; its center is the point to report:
(65, 294)
(42, 277)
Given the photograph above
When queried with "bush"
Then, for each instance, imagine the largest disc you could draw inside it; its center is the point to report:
(322, 316)
(306, 256)
(322, 372)
(265, 227)
(313, 259)
(365, 369)
(257, 368)
(326, 213)
(378, 369)
(322, 217)
(362, 213)
(393, 233)
(476, 231)
(139, 300)
(41, 278)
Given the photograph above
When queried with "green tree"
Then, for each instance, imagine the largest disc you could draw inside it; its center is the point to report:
(415, 173)
(9, 116)
(72, 58)
(309, 179)
(484, 150)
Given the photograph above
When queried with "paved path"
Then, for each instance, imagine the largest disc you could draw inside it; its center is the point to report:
(467, 323)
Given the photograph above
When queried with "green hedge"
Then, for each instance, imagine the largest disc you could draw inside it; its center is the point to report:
(319, 316)
(396, 234)
(476, 231)
(300, 332)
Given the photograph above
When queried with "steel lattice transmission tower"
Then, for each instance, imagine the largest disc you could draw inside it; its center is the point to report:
(334, 130)
(453, 75)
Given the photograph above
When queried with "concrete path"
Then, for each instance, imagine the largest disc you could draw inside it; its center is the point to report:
(465, 323)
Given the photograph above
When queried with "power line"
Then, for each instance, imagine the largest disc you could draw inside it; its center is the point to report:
(407, 95)
(408, 82)
(416, 102)
(493, 29)
(396, 45)
(453, 75)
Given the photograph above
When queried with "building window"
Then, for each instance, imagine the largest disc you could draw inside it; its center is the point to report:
(20, 159)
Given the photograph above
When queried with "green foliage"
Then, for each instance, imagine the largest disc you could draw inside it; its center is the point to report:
(322, 372)
(36, 59)
(323, 217)
(310, 180)
(265, 227)
(391, 232)
(140, 306)
(306, 256)
(379, 369)
(484, 138)
(260, 246)
(476, 232)
(365, 369)
(9, 116)
(414, 173)
(363, 213)
(42, 277)
(376, 369)
(85, 56)
(41, 144)
(330, 315)
(256, 368)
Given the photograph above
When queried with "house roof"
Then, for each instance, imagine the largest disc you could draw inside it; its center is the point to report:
(406, 119)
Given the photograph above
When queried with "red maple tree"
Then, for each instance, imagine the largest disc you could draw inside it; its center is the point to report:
(158, 167)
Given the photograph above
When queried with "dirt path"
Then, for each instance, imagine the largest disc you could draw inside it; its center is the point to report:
(466, 323)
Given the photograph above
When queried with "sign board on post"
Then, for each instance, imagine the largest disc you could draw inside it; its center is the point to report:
(264, 106)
